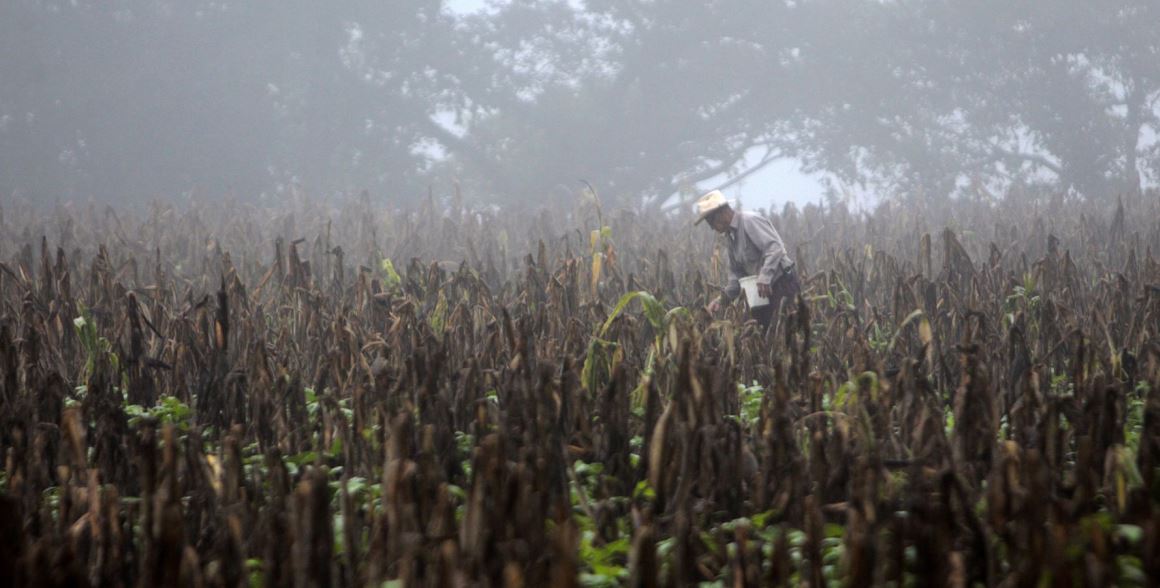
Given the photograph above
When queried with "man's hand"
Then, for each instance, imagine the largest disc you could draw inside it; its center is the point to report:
(714, 305)
(764, 290)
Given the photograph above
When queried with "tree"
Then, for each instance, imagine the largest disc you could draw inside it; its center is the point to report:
(635, 97)
(943, 92)
(913, 96)
(643, 98)
(135, 98)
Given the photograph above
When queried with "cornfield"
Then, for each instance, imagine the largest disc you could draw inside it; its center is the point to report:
(334, 394)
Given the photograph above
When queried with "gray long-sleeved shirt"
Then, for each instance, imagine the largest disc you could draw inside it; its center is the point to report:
(754, 248)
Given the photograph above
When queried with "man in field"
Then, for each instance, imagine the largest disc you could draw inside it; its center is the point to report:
(755, 248)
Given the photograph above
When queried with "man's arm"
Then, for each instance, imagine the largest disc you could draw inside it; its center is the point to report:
(728, 294)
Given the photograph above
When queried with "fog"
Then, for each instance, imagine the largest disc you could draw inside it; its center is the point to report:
(512, 103)
(441, 293)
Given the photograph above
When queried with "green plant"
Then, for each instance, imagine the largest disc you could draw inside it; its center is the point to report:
(94, 345)
(847, 394)
(391, 280)
(1023, 297)
(438, 317)
(607, 563)
(598, 361)
(839, 297)
(1134, 421)
(880, 338)
(750, 398)
(168, 410)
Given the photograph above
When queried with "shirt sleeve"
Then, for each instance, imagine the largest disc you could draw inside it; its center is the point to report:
(774, 257)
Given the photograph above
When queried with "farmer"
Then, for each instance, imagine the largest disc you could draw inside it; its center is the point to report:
(754, 248)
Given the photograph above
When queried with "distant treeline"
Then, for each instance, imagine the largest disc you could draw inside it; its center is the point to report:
(135, 99)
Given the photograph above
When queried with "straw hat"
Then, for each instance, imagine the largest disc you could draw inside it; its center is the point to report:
(708, 203)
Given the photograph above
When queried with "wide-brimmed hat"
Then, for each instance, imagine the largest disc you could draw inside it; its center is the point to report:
(708, 203)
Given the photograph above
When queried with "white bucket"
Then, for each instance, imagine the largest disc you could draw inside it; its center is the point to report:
(749, 285)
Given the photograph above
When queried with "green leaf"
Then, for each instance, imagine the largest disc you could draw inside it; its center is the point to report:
(255, 568)
(1133, 534)
(596, 360)
(438, 316)
(391, 279)
(304, 458)
(620, 306)
(654, 311)
(644, 491)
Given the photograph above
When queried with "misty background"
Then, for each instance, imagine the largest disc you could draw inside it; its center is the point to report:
(513, 103)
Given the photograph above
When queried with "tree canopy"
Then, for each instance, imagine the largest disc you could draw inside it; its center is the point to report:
(644, 99)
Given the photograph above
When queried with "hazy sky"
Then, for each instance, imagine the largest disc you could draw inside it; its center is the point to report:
(780, 182)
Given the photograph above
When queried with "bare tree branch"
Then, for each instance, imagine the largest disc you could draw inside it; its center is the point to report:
(771, 155)
(1002, 153)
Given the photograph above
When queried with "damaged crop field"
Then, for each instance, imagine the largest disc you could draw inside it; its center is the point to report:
(966, 393)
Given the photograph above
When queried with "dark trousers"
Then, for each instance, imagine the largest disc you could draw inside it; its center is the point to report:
(784, 289)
